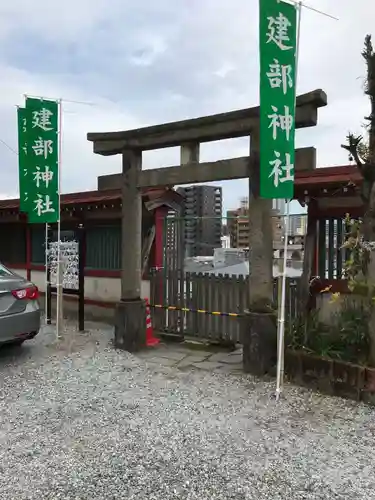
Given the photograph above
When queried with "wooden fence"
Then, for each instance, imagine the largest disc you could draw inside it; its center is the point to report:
(191, 294)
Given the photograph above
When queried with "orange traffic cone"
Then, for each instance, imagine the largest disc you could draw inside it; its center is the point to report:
(150, 339)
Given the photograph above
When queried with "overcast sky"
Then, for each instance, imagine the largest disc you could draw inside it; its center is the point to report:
(145, 62)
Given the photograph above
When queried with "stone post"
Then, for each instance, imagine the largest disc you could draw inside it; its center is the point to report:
(259, 322)
(130, 319)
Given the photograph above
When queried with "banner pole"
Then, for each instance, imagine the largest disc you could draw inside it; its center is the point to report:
(59, 280)
(281, 319)
(300, 5)
(46, 273)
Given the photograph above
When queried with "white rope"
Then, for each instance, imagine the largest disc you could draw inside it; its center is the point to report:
(295, 2)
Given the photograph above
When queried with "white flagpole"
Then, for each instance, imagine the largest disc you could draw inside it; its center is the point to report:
(59, 284)
(281, 319)
(46, 273)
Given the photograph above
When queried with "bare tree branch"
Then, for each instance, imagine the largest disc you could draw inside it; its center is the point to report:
(352, 147)
(368, 51)
(369, 56)
(363, 152)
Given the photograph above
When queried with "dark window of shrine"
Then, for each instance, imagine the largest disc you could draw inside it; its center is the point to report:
(103, 247)
(13, 243)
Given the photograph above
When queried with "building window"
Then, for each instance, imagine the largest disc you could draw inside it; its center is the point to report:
(103, 247)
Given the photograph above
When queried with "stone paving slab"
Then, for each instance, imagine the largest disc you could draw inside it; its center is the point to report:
(190, 360)
(178, 348)
(180, 356)
(197, 352)
(161, 361)
(237, 351)
(230, 368)
(207, 365)
(170, 354)
(225, 357)
(232, 360)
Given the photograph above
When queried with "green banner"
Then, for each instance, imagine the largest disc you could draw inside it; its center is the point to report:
(278, 44)
(22, 158)
(42, 161)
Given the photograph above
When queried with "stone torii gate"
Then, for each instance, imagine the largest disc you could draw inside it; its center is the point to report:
(259, 324)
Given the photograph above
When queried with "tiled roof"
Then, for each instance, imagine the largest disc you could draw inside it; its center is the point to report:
(96, 197)
(318, 178)
(327, 176)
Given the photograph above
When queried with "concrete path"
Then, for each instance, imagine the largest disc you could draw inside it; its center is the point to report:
(190, 356)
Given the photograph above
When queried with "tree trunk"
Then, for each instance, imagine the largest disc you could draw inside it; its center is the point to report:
(369, 217)
(364, 156)
(368, 231)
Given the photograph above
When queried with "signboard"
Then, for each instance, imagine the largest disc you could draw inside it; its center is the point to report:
(278, 43)
(39, 160)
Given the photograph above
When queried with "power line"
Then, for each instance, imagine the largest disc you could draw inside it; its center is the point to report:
(67, 112)
(8, 147)
(85, 103)
(302, 4)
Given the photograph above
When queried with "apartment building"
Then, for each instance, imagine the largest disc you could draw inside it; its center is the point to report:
(202, 219)
(238, 225)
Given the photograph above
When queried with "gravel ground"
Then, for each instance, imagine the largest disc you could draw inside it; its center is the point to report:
(83, 421)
